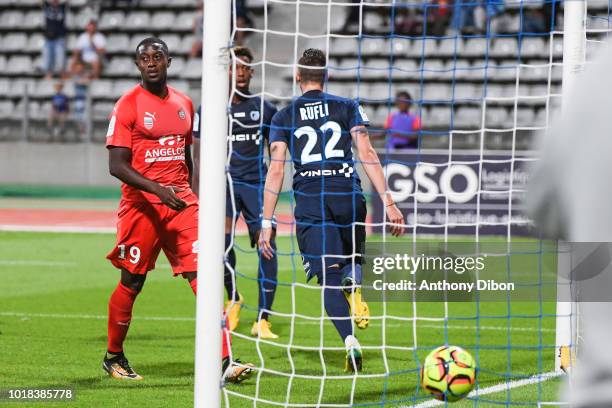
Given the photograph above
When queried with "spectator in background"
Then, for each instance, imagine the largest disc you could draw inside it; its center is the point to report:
(59, 112)
(198, 32)
(243, 20)
(81, 75)
(54, 51)
(91, 47)
(401, 126)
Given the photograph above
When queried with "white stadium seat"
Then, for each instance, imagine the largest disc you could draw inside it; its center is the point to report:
(449, 47)
(121, 66)
(33, 19)
(138, 20)
(163, 20)
(193, 69)
(475, 47)
(36, 42)
(118, 43)
(534, 47)
(497, 118)
(11, 19)
(19, 64)
(14, 42)
(504, 47)
(6, 109)
(112, 20)
(468, 118)
(43, 88)
(100, 88)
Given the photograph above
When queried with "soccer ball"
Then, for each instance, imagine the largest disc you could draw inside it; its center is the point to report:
(448, 373)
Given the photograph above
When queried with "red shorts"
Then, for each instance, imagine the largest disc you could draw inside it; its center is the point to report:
(143, 229)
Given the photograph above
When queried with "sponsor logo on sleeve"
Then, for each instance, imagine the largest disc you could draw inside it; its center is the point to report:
(111, 126)
(363, 114)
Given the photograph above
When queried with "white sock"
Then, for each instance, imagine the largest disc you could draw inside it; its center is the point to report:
(351, 342)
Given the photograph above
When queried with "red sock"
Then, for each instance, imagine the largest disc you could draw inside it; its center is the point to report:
(226, 338)
(119, 316)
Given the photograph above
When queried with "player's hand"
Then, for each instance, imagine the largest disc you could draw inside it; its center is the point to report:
(167, 195)
(396, 218)
(265, 235)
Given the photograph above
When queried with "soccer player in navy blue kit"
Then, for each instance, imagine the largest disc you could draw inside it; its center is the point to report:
(319, 130)
(249, 135)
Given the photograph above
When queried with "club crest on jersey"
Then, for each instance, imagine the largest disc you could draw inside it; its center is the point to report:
(181, 114)
(255, 115)
(149, 119)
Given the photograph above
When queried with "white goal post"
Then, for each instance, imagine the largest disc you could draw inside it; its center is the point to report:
(213, 153)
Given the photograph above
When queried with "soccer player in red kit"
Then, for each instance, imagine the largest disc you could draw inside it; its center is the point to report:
(147, 140)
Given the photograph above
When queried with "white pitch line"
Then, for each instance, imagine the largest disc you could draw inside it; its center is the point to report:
(96, 317)
(60, 229)
(189, 319)
(496, 388)
(10, 262)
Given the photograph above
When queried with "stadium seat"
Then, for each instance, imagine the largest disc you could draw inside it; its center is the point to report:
(467, 92)
(541, 118)
(2, 63)
(14, 42)
(100, 88)
(374, 46)
(173, 41)
(496, 118)
(181, 86)
(474, 47)
(120, 67)
(504, 47)
(43, 88)
(193, 69)
(427, 47)
(460, 68)
(163, 20)
(138, 20)
(19, 64)
(406, 69)
(436, 117)
(525, 117)
(533, 46)
(343, 46)
(184, 21)
(436, 92)
(468, 117)
(6, 109)
(102, 110)
(5, 86)
(185, 44)
(346, 68)
(450, 47)
(377, 116)
(434, 68)
(373, 68)
(373, 93)
(36, 43)
(177, 66)
(121, 87)
(33, 19)
(535, 72)
(505, 70)
(495, 91)
(400, 46)
(112, 21)
(11, 19)
(79, 20)
(118, 43)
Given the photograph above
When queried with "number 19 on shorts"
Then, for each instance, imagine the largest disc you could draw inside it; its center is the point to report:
(134, 253)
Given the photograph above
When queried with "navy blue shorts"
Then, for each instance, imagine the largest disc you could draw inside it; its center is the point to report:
(248, 199)
(325, 226)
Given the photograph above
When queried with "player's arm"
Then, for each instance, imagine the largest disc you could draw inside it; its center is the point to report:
(274, 184)
(189, 163)
(195, 173)
(120, 166)
(371, 164)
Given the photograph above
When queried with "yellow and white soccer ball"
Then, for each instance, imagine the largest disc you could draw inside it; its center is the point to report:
(448, 373)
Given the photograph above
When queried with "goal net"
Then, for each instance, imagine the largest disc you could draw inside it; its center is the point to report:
(482, 79)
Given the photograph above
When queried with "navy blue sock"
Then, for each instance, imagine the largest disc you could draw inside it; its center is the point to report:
(230, 287)
(348, 273)
(336, 304)
(268, 269)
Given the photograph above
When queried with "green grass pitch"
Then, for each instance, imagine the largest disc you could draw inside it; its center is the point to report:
(53, 304)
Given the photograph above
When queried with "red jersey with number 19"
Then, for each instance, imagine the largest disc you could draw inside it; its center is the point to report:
(157, 131)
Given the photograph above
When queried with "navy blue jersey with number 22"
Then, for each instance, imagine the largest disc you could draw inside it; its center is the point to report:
(316, 128)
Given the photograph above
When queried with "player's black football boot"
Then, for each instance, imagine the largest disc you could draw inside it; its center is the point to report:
(117, 366)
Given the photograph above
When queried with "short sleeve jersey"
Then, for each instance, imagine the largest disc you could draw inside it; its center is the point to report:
(60, 103)
(250, 134)
(316, 128)
(157, 131)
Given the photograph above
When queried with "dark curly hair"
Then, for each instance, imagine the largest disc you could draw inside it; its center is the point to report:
(313, 57)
